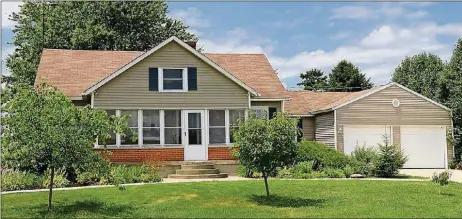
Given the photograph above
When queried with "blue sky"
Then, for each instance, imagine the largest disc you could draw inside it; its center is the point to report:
(297, 36)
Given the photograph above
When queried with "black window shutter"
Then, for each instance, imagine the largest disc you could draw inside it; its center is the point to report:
(153, 79)
(272, 112)
(192, 78)
(300, 126)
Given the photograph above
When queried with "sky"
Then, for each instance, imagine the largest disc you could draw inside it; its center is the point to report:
(298, 36)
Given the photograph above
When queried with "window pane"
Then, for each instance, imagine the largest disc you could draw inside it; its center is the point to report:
(173, 84)
(231, 132)
(259, 113)
(151, 136)
(217, 117)
(111, 140)
(234, 115)
(217, 135)
(194, 120)
(172, 135)
(172, 118)
(110, 112)
(127, 140)
(151, 118)
(133, 120)
(173, 73)
(195, 136)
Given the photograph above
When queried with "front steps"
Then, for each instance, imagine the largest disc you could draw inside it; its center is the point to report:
(200, 170)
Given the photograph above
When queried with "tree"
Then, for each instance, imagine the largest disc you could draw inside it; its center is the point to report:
(96, 25)
(266, 144)
(450, 94)
(347, 77)
(42, 127)
(420, 73)
(313, 80)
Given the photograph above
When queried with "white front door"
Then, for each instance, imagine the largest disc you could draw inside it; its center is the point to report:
(194, 135)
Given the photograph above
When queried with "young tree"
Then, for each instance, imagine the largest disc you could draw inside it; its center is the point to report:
(42, 127)
(96, 25)
(313, 80)
(347, 77)
(265, 144)
(450, 94)
(420, 73)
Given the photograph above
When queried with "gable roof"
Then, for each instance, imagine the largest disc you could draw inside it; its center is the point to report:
(309, 102)
(184, 45)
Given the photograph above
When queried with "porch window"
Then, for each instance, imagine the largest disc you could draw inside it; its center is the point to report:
(111, 141)
(172, 130)
(234, 116)
(133, 124)
(259, 111)
(151, 127)
(217, 127)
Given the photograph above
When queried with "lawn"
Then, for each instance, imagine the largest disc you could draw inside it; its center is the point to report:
(335, 198)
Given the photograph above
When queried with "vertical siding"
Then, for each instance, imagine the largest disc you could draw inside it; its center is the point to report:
(397, 136)
(340, 142)
(131, 90)
(324, 129)
(450, 144)
(308, 128)
(276, 104)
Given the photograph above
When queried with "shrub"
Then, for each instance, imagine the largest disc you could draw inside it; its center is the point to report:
(121, 174)
(442, 179)
(364, 159)
(348, 171)
(87, 178)
(243, 171)
(321, 155)
(312, 175)
(334, 173)
(303, 167)
(286, 173)
(389, 161)
(59, 181)
(17, 180)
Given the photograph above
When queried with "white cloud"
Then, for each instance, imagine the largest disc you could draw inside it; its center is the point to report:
(378, 11)
(192, 17)
(7, 9)
(352, 12)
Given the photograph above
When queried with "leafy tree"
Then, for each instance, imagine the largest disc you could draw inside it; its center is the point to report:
(347, 77)
(41, 127)
(96, 25)
(450, 94)
(266, 144)
(420, 73)
(313, 80)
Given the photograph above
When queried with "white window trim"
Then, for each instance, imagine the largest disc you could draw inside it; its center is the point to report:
(180, 127)
(161, 80)
(265, 108)
(140, 135)
(142, 129)
(226, 128)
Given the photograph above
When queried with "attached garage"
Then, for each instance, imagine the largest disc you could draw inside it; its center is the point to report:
(369, 136)
(425, 146)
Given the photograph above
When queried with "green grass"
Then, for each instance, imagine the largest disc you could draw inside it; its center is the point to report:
(291, 198)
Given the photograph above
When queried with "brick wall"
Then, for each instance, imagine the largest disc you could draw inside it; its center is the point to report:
(220, 153)
(145, 154)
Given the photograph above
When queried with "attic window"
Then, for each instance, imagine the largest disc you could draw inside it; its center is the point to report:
(173, 79)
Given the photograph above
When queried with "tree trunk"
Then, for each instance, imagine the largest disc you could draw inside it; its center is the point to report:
(50, 193)
(265, 176)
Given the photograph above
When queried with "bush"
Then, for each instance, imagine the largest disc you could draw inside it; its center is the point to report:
(243, 171)
(17, 180)
(59, 181)
(442, 179)
(303, 167)
(348, 171)
(364, 159)
(312, 175)
(334, 173)
(389, 161)
(121, 174)
(321, 155)
(88, 178)
(286, 173)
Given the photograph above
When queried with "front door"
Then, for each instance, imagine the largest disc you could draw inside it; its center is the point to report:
(194, 138)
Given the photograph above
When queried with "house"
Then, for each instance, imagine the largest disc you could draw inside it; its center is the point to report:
(184, 103)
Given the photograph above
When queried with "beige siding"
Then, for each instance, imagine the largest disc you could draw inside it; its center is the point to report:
(131, 89)
(308, 128)
(377, 109)
(276, 104)
(397, 136)
(324, 129)
(340, 146)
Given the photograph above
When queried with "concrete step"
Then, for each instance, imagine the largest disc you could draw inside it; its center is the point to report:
(197, 171)
(198, 176)
(197, 166)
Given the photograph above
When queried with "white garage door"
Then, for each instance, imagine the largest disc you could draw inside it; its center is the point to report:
(369, 136)
(424, 146)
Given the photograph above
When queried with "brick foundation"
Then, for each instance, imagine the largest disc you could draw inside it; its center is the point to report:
(221, 153)
(139, 155)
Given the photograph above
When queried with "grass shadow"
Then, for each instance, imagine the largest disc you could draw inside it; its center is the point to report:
(448, 194)
(286, 201)
(87, 206)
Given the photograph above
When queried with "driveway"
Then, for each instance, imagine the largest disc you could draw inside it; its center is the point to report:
(456, 174)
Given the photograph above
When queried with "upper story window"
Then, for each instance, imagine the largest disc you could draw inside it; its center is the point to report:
(173, 79)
